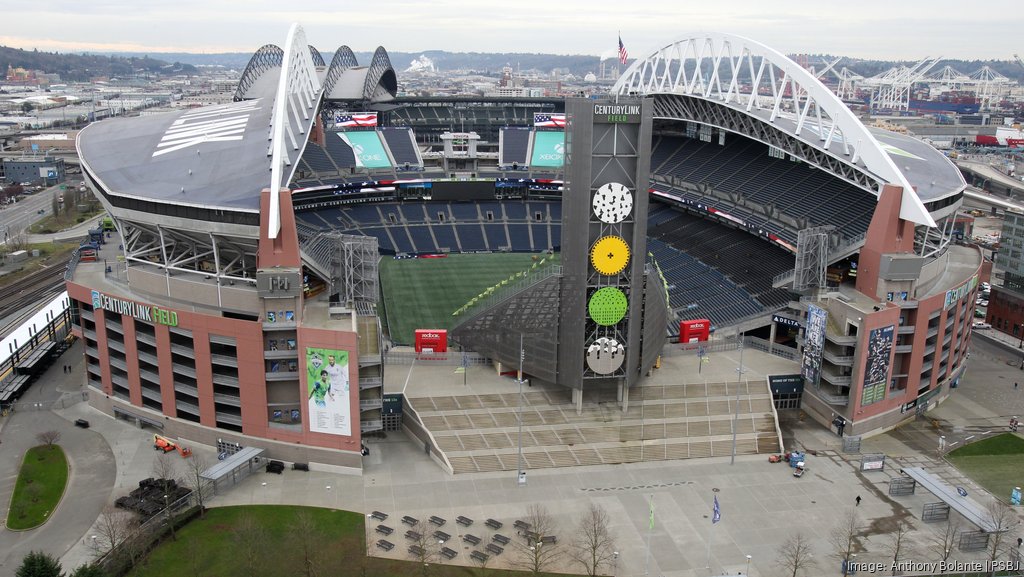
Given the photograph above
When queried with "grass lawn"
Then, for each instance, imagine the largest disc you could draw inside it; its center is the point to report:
(995, 463)
(40, 485)
(264, 541)
(422, 293)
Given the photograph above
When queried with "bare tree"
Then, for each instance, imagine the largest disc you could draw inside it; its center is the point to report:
(251, 541)
(114, 530)
(48, 437)
(164, 471)
(593, 547)
(17, 241)
(484, 560)
(795, 556)
(943, 538)
(305, 542)
(843, 536)
(194, 467)
(539, 550)
(898, 542)
(425, 548)
(1002, 518)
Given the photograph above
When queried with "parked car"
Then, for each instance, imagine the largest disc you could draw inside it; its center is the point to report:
(982, 326)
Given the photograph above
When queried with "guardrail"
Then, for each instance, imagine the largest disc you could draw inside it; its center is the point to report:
(76, 257)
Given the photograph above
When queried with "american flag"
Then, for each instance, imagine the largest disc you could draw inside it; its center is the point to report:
(548, 120)
(623, 55)
(356, 119)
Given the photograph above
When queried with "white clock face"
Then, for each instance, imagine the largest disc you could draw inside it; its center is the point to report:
(612, 203)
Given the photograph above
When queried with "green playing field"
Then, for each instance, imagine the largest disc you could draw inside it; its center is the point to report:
(422, 293)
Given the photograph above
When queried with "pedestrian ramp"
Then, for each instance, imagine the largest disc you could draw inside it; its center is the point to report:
(970, 510)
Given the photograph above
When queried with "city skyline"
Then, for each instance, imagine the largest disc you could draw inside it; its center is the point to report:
(909, 30)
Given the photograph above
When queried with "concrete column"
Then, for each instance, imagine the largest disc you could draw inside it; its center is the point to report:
(625, 398)
(577, 399)
(771, 338)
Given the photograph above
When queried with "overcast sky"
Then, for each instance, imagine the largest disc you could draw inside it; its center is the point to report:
(890, 29)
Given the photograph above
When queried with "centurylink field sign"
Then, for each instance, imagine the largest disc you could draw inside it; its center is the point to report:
(133, 309)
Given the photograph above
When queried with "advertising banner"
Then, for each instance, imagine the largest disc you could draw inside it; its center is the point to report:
(814, 342)
(366, 147)
(548, 148)
(327, 384)
(876, 371)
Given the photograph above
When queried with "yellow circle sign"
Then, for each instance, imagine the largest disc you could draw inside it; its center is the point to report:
(609, 255)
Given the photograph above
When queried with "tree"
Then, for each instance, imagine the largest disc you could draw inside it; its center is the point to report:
(251, 543)
(844, 536)
(90, 570)
(27, 107)
(593, 547)
(55, 204)
(113, 528)
(898, 542)
(48, 437)
(1002, 517)
(194, 467)
(39, 564)
(943, 538)
(305, 542)
(795, 556)
(534, 554)
(427, 547)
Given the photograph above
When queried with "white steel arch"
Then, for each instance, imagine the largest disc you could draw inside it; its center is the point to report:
(759, 81)
(298, 96)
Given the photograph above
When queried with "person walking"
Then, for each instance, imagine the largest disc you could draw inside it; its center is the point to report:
(858, 500)
(1015, 385)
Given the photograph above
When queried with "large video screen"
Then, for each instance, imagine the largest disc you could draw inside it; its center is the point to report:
(462, 190)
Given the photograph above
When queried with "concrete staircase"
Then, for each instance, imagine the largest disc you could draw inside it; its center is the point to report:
(479, 433)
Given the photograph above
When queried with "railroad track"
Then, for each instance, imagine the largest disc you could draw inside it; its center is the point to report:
(30, 289)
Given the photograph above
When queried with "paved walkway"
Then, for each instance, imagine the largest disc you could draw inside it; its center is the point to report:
(762, 504)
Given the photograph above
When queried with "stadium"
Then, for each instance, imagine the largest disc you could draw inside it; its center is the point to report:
(318, 262)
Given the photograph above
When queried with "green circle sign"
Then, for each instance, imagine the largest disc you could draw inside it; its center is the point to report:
(607, 306)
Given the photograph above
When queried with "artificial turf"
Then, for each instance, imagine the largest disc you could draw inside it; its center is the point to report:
(39, 488)
(422, 293)
(995, 463)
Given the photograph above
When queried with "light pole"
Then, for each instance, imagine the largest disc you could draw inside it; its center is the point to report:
(167, 513)
(736, 413)
(747, 574)
(522, 355)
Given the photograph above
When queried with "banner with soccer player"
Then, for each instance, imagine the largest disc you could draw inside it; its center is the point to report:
(327, 385)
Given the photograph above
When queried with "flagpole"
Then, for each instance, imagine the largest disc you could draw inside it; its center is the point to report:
(708, 566)
(650, 528)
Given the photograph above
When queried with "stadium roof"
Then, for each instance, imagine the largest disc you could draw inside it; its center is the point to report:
(211, 157)
(931, 173)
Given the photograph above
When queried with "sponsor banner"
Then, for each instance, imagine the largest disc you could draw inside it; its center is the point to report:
(814, 342)
(330, 409)
(147, 313)
(544, 120)
(548, 149)
(366, 147)
(954, 295)
(785, 384)
(787, 321)
(616, 113)
(876, 371)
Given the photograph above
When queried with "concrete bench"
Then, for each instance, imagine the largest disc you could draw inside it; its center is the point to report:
(494, 549)
(384, 530)
(464, 521)
(494, 524)
(471, 539)
(385, 545)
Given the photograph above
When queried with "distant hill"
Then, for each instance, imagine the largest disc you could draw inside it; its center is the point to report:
(82, 67)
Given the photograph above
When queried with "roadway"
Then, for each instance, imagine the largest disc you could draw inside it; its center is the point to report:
(15, 218)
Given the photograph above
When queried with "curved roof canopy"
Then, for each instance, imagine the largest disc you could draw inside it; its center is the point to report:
(749, 78)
